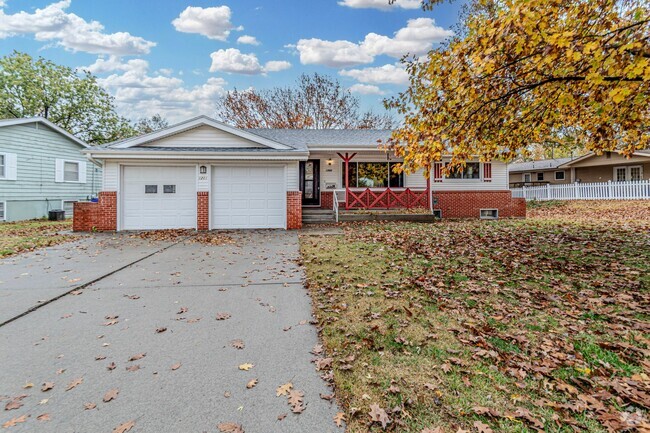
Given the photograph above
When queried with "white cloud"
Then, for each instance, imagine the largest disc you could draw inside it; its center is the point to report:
(417, 38)
(249, 40)
(70, 31)
(387, 74)
(381, 4)
(366, 89)
(331, 53)
(114, 63)
(276, 66)
(141, 94)
(233, 61)
(213, 22)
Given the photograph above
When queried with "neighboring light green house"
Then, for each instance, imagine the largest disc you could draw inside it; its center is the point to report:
(41, 169)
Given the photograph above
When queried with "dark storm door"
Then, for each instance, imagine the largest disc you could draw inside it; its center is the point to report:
(310, 182)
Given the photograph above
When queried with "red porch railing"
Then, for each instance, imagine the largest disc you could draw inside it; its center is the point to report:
(387, 198)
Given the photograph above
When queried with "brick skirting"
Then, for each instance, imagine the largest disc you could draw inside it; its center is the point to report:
(327, 200)
(467, 204)
(100, 216)
(294, 210)
(203, 210)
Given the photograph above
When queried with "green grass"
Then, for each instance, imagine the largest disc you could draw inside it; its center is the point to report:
(17, 237)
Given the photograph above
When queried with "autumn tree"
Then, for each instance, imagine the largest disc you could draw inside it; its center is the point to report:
(73, 100)
(145, 125)
(521, 72)
(314, 102)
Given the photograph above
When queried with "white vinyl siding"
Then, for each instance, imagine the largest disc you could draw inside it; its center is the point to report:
(293, 174)
(8, 166)
(111, 176)
(203, 136)
(68, 207)
(69, 171)
(499, 181)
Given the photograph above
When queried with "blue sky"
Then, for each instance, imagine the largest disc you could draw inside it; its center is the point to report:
(175, 57)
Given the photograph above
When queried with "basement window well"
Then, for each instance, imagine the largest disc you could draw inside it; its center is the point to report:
(489, 214)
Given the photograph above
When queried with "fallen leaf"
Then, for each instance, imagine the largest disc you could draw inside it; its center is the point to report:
(339, 418)
(133, 368)
(47, 386)
(160, 330)
(89, 406)
(230, 427)
(176, 366)
(111, 366)
(138, 356)
(251, 383)
(74, 383)
(44, 417)
(283, 389)
(223, 316)
(28, 385)
(12, 422)
(482, 427)
(378, 414)
(246, 366)
(111, 322)
(183, 310)
(14, 403)
(295, 400)
(434, 430)
(123, 428)
(237, 344)
(100, 358)
(111, 395)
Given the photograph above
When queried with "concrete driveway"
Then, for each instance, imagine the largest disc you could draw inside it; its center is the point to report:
(159, 298)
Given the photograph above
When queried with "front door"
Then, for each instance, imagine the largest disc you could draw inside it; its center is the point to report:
(310, 182)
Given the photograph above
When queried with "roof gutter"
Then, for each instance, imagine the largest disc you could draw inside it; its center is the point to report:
(167, 155)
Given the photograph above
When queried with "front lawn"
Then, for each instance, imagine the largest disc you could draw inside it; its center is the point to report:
(511, 326)
(18, 237)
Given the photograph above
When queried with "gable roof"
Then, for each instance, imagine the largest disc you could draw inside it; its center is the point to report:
(195, 123)
(542, 164)
(641, 152)
(326, 138)
(44, 121)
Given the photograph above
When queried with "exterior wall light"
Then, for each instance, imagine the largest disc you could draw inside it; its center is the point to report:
(330, 161)
(203, 169)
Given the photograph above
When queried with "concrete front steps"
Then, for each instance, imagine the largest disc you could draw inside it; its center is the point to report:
(317, 216)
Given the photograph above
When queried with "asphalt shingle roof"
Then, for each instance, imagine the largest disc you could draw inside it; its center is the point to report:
(543, 164)
(299, 138)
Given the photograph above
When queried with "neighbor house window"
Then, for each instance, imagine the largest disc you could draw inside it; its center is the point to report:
(373, 175)
(559, 175)
(633, 173)
(527, 177)
(489, 214)
(70, 171)
(3, 206)
(540, 176)
(3, 166)
(472, 170)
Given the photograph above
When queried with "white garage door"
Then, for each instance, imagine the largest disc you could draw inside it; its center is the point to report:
(248, 197)
(158, 198)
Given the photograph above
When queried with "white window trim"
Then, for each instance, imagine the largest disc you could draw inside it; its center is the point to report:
(3, 176)
(628, 170)
(81, 167)
(10, 166)
(4, 211)
(523, 177)
(563, 174)
(480, 214)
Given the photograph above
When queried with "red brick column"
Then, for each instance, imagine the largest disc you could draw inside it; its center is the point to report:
(327, 200)
(294, 210)
(100, 216)
(468, 204)
(202, 210)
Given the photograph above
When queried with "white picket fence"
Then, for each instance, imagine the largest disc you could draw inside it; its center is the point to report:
(586, 191)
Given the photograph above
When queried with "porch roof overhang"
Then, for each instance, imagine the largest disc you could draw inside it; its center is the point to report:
(639, 153)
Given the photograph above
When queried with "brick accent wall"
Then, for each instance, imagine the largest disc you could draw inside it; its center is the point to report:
(203, 210)
(467, 204)
(294, 210)
(100, 216)
(327, 200)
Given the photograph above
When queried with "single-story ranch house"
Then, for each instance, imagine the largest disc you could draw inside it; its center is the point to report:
(42, 168)
(202, 174)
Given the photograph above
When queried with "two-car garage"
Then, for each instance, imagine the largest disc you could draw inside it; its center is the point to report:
(165, 197)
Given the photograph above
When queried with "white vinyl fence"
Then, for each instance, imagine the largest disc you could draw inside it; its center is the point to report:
(586, 191)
